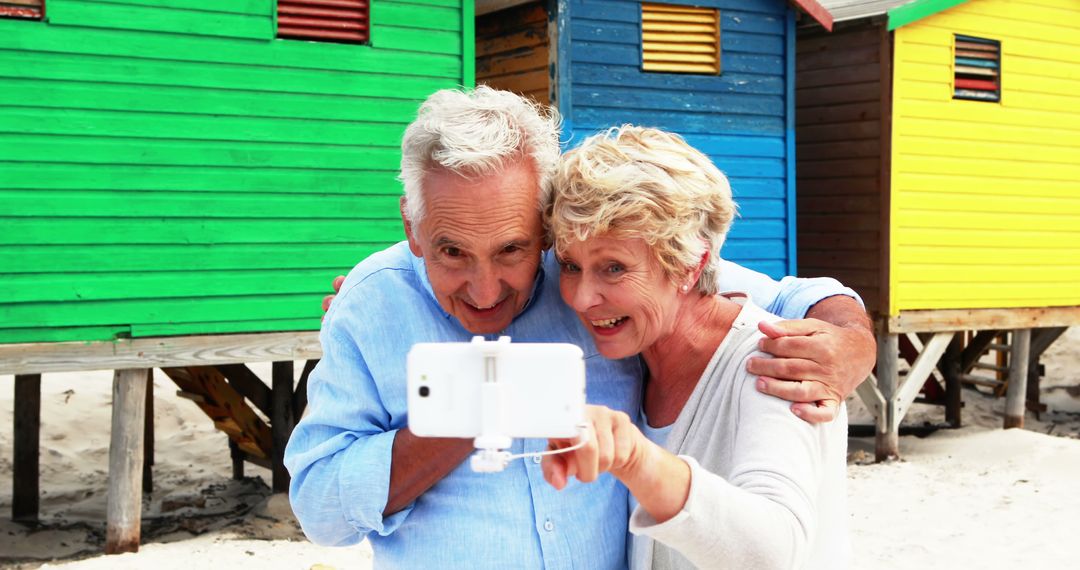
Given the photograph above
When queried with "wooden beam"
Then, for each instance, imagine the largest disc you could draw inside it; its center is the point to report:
(158, 352)
(148, 437)
(920, 371)
(25, 500)
(1041, 339)
(237, 457)
(887, 443)
(124, 504)
(953, 388)
(281, 422)
(871, 396)
(225, 406)
(975, 349)
(1018, 375)
(941, 320)
(247, 383)
(300, 393)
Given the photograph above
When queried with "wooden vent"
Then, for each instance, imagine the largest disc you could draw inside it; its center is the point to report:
(680, 39)
(340, 21)
(977, 69)
(29, 9)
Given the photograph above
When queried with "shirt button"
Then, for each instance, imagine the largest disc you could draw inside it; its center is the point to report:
(537, 459)
(549, 526)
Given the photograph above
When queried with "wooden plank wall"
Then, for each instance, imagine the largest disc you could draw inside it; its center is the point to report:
(737, 118)
(838, 98)
(512, 50)
(986, 196)
(169, 167)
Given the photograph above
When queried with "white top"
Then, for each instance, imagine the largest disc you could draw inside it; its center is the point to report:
(767, 489)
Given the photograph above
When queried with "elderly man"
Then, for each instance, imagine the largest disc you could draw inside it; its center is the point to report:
(476, 168)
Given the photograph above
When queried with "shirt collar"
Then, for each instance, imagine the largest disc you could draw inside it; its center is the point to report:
(537, 289)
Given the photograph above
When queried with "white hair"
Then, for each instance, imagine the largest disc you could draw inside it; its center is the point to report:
(476, 133)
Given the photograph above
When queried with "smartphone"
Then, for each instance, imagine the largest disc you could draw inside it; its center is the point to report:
(539, 389)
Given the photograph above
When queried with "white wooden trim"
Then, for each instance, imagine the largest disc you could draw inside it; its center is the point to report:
(935, 320)
(871, 396)
(156, 352)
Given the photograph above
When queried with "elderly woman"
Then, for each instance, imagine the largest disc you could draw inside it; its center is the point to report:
(724, 476)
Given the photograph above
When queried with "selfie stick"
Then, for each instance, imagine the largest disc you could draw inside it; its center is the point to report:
(492, 443)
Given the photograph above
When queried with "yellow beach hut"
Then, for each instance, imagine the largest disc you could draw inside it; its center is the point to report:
(938, 172)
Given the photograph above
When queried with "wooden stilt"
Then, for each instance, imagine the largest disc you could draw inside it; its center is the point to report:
(951, 363)
(124, 505)
(25, 500)
(281, 422)
(148, 435)
(237, 460)
(887, 444)
(1018, 376)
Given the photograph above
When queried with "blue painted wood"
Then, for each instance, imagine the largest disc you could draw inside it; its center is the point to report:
(792, 265)
(590, 119)
(741, 119)
(679, 101)
(630, 76)
(976, 62)
(760, 249)
(562, 67)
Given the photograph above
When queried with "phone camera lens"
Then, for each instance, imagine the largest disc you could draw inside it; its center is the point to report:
(424, 391)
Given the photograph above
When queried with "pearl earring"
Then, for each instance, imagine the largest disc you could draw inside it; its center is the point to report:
(685, 288)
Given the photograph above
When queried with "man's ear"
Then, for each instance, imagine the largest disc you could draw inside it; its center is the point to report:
(410, 234)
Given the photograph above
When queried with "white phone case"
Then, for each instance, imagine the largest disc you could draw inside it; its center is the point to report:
(540, 393)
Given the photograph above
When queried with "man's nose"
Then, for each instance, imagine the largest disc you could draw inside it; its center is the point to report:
(485, 287)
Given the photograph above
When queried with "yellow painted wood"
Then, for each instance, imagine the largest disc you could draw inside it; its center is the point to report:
(985, 207)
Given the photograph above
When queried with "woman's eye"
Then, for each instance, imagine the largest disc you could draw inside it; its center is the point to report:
(614, 268)
(568, 267)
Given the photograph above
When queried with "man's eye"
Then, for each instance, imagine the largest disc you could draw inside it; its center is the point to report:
(511, 249)
(452, 252)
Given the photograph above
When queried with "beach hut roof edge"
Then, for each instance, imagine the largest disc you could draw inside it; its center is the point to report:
(900, 12)
(817, 11)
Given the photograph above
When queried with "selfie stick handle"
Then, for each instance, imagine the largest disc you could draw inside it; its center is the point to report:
(492, 441)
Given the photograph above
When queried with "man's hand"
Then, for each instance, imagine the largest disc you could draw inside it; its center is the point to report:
(337, 287)
(819, 360)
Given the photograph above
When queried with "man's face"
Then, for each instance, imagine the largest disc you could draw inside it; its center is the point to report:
(481, 240)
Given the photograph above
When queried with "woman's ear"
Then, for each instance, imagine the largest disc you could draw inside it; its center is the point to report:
(695, 273)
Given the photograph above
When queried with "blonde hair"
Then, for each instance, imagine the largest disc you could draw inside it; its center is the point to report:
(645, 183)
(476, 133)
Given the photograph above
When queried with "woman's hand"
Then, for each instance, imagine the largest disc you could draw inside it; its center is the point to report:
(613, 444)
(659, 480)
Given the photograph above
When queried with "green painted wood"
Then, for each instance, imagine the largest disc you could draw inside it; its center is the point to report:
(158, 310)
(178, 48)
(167, 99)
(218, 327)
(78, 122)
(195, 230)
(917, 10)
(201, 178)
(109, 70)
(399, 14)
(168, 167)
(62, 334)
(468, 24)
(177, 21)
(126, 204)
(121, 285)
(332, 259)
(251, 7)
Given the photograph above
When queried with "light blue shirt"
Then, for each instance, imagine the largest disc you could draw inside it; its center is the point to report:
(339, 454)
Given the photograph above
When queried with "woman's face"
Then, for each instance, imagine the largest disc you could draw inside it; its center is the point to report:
(620, 292)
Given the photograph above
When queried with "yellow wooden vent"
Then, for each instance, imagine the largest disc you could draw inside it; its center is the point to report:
(680, 39)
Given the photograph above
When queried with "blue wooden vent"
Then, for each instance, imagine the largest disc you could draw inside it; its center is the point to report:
(26, 9)
(977, 69)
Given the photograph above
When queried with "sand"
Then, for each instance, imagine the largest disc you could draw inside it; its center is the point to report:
(977, 497)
